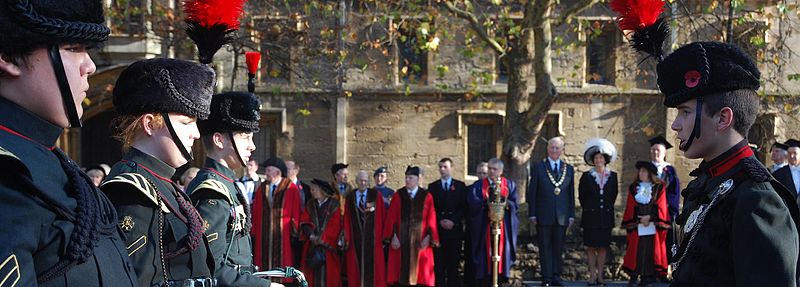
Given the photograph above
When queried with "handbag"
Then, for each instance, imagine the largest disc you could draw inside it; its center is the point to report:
(316, 256)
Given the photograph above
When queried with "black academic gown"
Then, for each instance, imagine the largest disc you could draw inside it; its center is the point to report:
(218, 199)
(150, 217)
(38, 213)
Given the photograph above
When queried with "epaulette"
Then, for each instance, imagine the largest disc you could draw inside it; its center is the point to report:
(217, 186)
(141, 184)
(755, 170)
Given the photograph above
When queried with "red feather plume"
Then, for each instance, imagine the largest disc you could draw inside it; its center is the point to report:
(637, 14)
(647, 31)
(208, 13)
(252, 59)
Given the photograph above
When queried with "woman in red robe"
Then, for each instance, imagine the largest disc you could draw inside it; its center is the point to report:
(363, 228)
(321, 224)
(410, 230)
(646, 218)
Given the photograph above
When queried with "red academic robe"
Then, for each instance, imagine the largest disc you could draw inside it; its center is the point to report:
(275, 222)
(365, 241)
(630, 221)
(328, 230)
(411, 220)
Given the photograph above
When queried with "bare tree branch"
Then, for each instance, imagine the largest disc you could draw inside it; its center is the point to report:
(574, 10)
(476, 26)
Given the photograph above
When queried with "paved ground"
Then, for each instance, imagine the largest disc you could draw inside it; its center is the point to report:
(583, 283)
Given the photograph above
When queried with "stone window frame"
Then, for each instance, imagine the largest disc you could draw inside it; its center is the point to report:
(495, 118)
(611, 29)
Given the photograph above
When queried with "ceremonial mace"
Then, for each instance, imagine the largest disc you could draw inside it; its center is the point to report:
(497, 210)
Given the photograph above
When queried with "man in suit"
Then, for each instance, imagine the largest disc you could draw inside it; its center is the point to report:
(789, 175)
(340, 179)
(551, 208)
(305, 191)
(449, 200)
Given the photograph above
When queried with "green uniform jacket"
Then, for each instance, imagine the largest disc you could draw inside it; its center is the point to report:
(214, 193)
(147, 207)
(34, 234)
(748, 238)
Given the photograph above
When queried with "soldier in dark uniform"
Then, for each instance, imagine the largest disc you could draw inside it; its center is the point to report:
(159, 102)
(227, 136)
(56, 228)
(737, 219)
(738, 224)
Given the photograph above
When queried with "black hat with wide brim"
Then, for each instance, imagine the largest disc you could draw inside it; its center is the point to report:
(649, 166)
(324, 185)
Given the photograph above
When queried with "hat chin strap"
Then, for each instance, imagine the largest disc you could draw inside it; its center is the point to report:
(696, 129)
(186, 154)
(63, 86)
(236, 150)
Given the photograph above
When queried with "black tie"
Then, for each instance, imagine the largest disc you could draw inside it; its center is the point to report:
(446, 186)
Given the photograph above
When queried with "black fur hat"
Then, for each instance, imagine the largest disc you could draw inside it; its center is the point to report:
(165, 86)
(26, 24)
(704, 68)
(232, 112)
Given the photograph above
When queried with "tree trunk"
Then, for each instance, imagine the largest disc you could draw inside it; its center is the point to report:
(525, 112)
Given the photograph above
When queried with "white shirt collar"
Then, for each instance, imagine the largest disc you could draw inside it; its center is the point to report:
(448, 181)
(413, 192)
(551, 161)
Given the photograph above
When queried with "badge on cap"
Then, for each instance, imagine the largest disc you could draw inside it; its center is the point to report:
(692, 78)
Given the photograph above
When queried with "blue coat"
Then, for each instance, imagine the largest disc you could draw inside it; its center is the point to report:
(478, 225)
(543, 203)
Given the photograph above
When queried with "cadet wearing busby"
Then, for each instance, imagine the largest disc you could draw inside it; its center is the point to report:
(159, 102)
(56, 228)
(227, 136)
(739, 223)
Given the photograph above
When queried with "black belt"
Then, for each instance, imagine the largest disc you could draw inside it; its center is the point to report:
(196, 282)
(246, 268)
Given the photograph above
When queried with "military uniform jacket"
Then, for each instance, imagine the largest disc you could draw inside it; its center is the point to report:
(747, 237)
(33, 235)
(149, 215)
(214, 193)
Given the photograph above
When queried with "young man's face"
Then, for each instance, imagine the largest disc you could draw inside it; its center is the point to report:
(445, 168)
(684, 124)
(245, 147)
(380, 179)
(186, 129)
(37, 87)
(252, 166)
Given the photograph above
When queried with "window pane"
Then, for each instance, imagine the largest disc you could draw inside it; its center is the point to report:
(480, 145)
